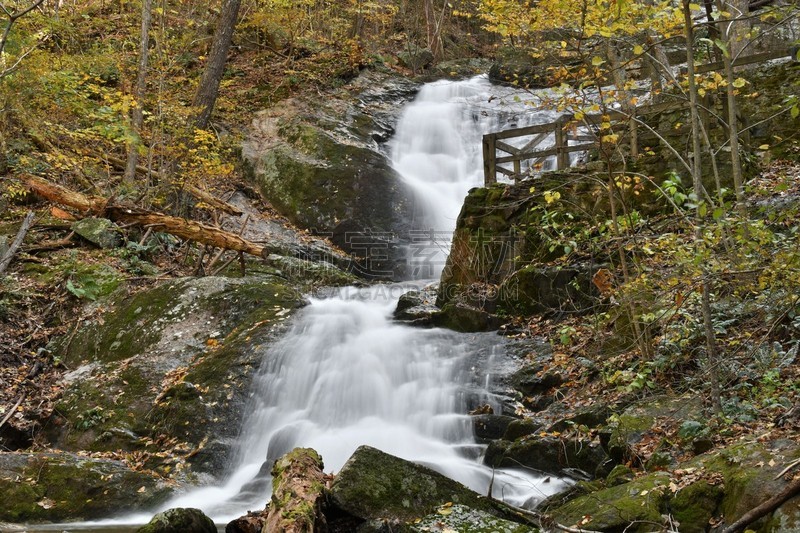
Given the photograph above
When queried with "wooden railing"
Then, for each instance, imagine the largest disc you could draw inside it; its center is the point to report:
(585, 133)
(569, 135)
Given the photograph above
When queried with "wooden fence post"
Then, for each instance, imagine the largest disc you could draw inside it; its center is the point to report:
(562, 156)
(489, 165)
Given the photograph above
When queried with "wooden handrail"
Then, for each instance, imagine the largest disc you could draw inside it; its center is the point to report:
(495, 141)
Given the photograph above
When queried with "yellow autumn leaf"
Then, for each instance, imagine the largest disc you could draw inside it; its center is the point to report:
(597, 61)
(638, 50)
(739, 83)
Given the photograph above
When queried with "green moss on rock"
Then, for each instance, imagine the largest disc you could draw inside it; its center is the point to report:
(376, 485)
(634, 506)
(60, 486)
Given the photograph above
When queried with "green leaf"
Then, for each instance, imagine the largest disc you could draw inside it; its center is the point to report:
(718, 213)
(722, 46)
(795, 111)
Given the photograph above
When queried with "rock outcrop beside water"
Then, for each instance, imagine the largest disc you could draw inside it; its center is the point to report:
(169, 366)
(323, 165)
(58, 486)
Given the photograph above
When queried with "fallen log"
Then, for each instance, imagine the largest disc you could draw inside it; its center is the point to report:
(180, 227)
(185, 229)
(298, 494)
(27, 222)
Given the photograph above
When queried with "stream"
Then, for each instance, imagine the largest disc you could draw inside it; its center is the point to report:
(346, 374)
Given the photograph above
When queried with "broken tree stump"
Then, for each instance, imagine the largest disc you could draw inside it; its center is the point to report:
(298, 494)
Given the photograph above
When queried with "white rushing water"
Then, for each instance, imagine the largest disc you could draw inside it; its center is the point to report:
(437, 149)
(345, 374)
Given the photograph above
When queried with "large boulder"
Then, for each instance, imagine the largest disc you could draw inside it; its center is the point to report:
(717, 487)
(179, 520)
(374, 485)
(322, 165)
(59, 486)
(169, 366)
(635, 506)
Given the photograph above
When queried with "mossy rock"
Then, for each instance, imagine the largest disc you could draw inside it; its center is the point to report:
(552, 455)
(695, 505)
(748, 473)
(99, 231)
(537, 290)
(325, 177)
(375, 485)
(60, 486)
(634, 506)
(466, 520)
(202, 333)
(631, 426)
(179, 520)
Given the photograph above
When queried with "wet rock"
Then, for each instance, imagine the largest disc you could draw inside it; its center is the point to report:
(530, 382)
(319, 163)
(373, 485)
(252, 522)
(491, 427)
(179, 520)
(591, 417)
(462, 317)
(575, 457)
(99, 231)
(418, 307)
(522, 428)
(60, 486)
(459, 68)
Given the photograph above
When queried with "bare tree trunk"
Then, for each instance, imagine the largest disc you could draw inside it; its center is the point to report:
(711, 344)
(729, 38)
(208, 89)
(137, 116)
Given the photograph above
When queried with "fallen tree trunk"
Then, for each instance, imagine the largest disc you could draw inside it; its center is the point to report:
(298, 494)
(180, 227)
(23, 230)
(185, 229)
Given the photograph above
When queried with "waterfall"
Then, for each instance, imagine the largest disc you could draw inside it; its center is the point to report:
(437, 150)
(346, 374)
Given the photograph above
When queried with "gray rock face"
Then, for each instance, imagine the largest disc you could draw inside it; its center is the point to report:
(180, 520)
(99, 231)
(175, 360)
(323, 165)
